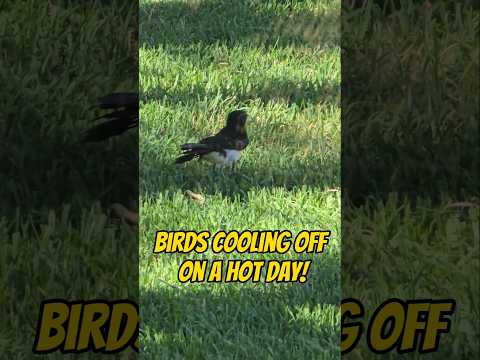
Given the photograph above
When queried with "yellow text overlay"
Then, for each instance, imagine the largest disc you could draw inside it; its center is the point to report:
(229, 271)
(396, 325)
(250, 242)
(245, 242)
(97, 325)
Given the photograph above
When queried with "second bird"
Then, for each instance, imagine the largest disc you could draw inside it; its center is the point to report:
(222, 149)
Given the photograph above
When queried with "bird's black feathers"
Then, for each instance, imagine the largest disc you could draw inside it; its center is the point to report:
(124, 116)
(185, 158)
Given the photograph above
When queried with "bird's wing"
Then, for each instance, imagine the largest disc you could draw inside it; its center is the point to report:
(124, 116)
(218, 142)
(191, 146)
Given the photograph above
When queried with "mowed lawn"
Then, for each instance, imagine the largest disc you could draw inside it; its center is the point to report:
(280, 60)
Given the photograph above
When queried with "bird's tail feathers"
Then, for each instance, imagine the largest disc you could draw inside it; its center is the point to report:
(191, 151)
(106, 130)
(184, 158)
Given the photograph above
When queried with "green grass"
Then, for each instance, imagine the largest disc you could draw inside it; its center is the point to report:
(411, 99)
(281, 61)
(427, 251)
(410, 140)
(57, 57)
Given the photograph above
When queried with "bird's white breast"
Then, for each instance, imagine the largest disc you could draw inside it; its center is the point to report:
(218, 158)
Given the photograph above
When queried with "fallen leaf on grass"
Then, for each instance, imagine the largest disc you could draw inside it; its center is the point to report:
(462, 204)
(195, 197)
(123, 213)
(333, 190)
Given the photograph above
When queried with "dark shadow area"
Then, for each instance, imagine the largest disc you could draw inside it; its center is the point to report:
(206, 22)
(76, 174)
(409, 121)
(48, 102)
(194, 321)
(410, 162)
(203, 177)
(57, 58)
(389, 7)
(300, 93)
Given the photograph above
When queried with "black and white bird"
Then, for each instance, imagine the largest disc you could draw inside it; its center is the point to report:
(222, 149)
(123, 116)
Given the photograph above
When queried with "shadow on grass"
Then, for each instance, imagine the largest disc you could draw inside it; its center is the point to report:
(46, 101)
(301, 93)
(56, 58)
(206, 22)
(410, 150)
(282, 321)
(42, 173)
(409, 120)
(203, 177)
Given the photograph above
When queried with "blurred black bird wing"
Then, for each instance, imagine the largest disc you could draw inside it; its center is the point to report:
(124, 116)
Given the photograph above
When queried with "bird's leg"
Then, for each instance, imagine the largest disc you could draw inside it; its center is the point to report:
(216, 172)
(222, 170)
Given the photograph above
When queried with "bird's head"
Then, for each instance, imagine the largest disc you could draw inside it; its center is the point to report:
(236, 121)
